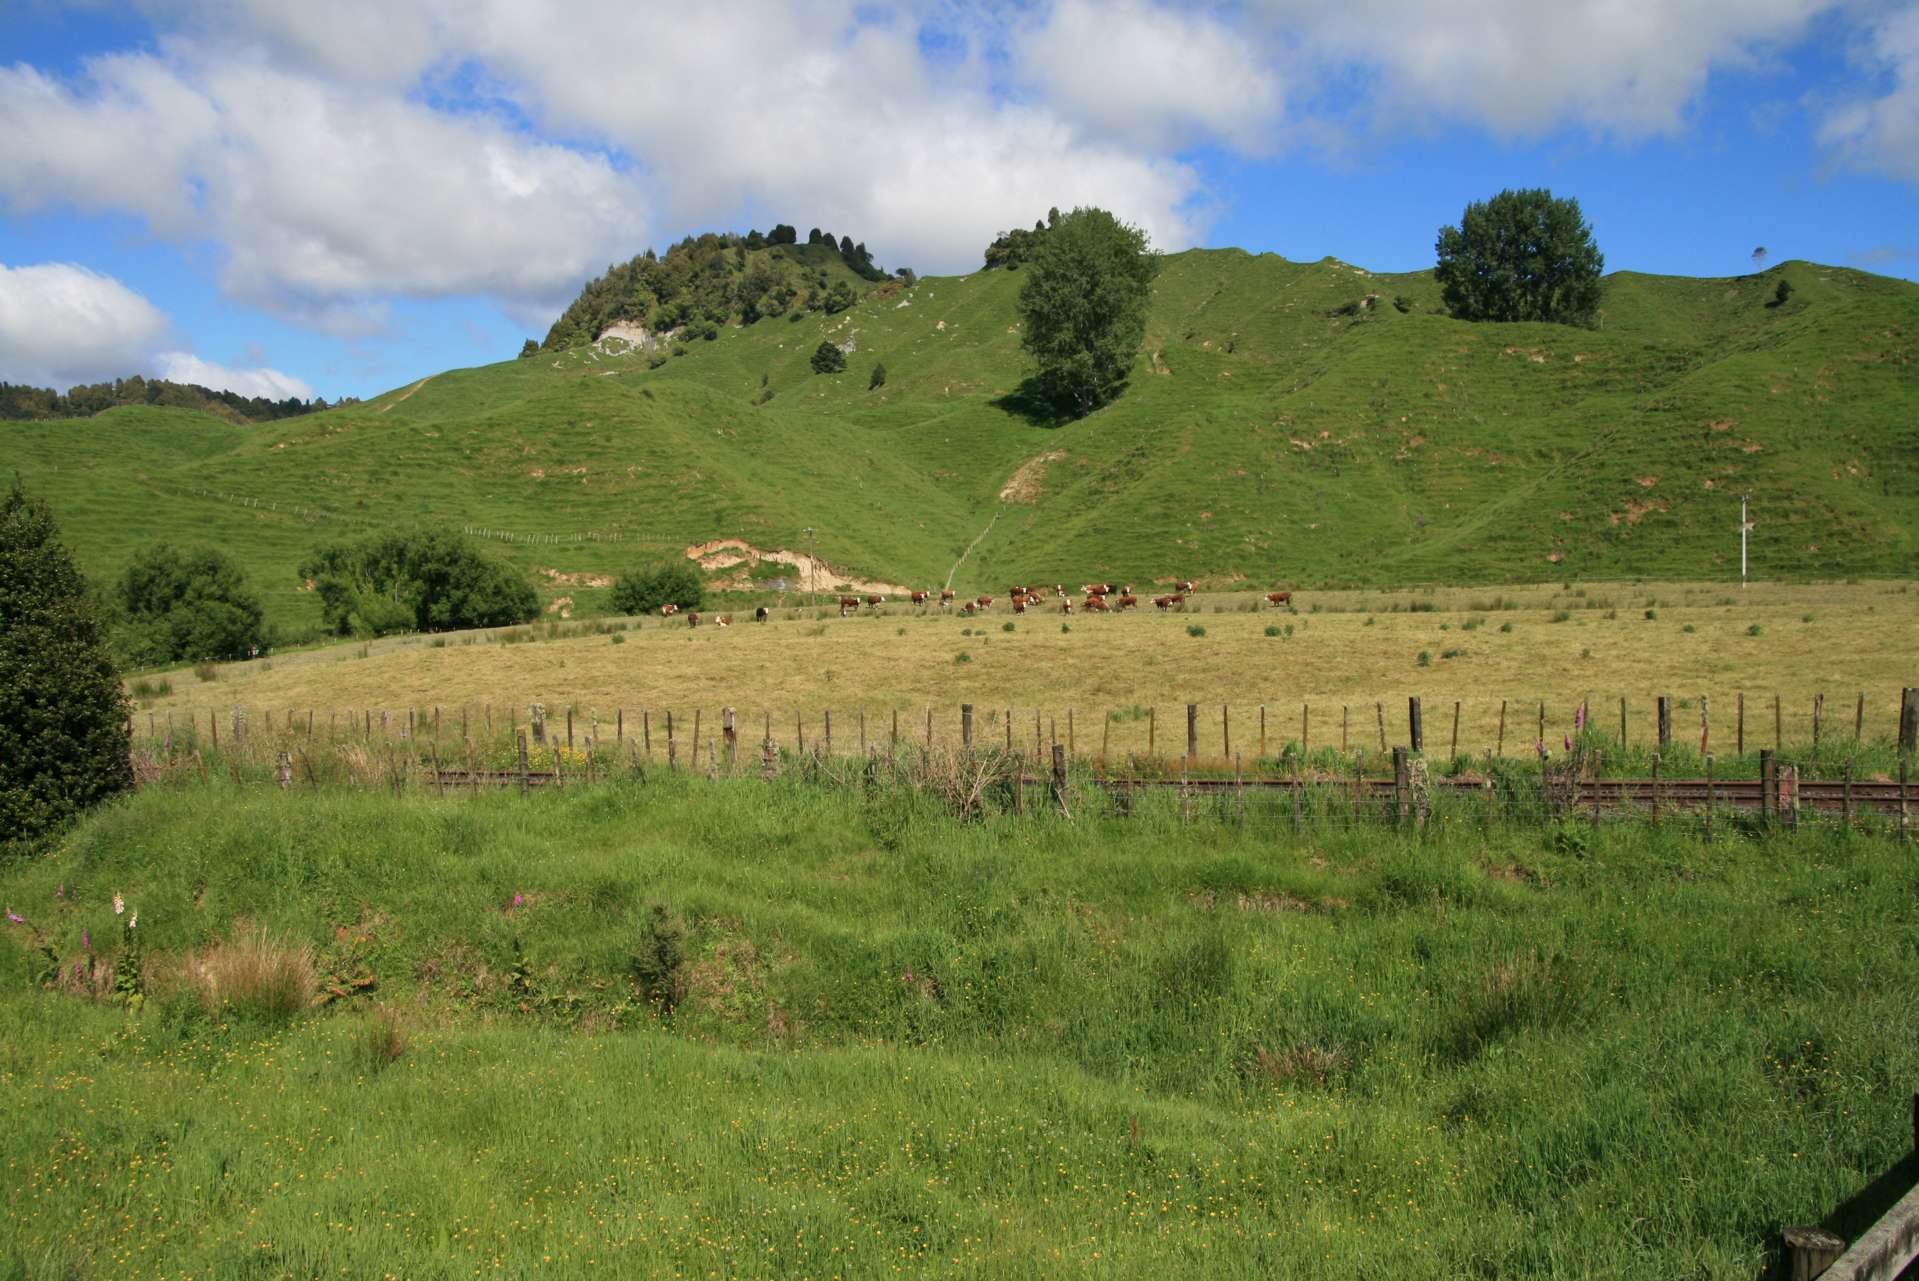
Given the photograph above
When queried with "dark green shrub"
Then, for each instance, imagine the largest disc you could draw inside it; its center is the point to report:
(64, 744)
(644, 590)
(186, 606)
(878, 379)
(658, 961)
(828, 359)
(425, 580)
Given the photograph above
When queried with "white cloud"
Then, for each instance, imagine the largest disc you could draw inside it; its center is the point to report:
(1525, 68)
(1152, 76)
(321, 194)
(185, 367)
(61, 324)
(1882, 133)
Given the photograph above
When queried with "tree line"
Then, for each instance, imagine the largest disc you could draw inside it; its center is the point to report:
(19, 402)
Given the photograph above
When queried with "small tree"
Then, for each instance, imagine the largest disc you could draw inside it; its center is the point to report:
(64, 743)
(1083, 306)
(644, 590)
(828, 359)
(878, 380)
(424, 580)
(187, 606)
(1782, 293)
(529, 348)
(1522, 255)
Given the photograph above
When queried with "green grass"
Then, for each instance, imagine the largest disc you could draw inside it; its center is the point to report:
(1010, 1048)
(1283, 442)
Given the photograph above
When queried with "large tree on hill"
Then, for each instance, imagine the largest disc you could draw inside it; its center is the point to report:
(64, 743)
(1083, 306)
(1523, 255)
(190, 606)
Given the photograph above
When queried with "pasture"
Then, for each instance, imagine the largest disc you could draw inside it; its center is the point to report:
(1337, 652)
(769, 1030)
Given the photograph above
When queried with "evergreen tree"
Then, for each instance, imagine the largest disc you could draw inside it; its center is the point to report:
(1522, 255)
(828, 359)
(64, 743)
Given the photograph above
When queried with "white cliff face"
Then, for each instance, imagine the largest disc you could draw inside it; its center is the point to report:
(627, 335)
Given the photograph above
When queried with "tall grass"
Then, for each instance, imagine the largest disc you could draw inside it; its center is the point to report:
(984, 1049)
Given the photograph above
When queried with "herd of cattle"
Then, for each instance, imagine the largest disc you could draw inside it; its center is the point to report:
(1099, 598)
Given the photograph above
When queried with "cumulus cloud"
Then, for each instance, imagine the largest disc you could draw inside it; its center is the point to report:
(184, 367)
(1156, 77)
(1522, 68)
(319, 194)
(1881, 133)
(61, 324)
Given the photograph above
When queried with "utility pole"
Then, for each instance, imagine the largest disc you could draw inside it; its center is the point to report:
(812, 569)
(1744, 526)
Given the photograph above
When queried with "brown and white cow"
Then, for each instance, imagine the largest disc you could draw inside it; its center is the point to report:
(919, 598)
(669, 609)
(1169, 600)
(1066, 605)
(692, 618)
(1276, 599)
(848, 604)
(1096, 603)
(1128, 601)
(1186, 585)
(874, 602)
(946, 596)
(723, 620)
(984, 602)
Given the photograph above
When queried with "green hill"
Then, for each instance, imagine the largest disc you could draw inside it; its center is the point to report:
(1291, 423)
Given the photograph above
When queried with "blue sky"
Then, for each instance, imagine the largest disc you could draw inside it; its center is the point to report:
(342, 198)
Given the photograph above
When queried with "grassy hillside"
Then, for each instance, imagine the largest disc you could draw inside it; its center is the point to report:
(1297, 423)
(904, 1045)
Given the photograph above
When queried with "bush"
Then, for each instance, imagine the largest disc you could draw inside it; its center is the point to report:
(1272, 629)
(188, 606)
(1194, 629)
(1505, 627)
(673, 582)
(1425, 658)
(1006, 627)
(878, 380)
(1754, 630)
(424, 580)
(64, 742)
(828, 359)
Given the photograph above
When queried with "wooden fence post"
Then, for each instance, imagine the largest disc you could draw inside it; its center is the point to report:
(1262, 729)
(1059, 778)
(966, 727)
(1818, 715)
(1225, 729)
(1454, 753)
(1859, 717)
(1740, 745)
(1542, 722)
(1502, 727)
(1908, 720)
(1305, 729)
(523, 777)
(1344, 710)
(1192, 731)
(1152, 752)
(729, 727)
(1705, 726)
(1778, 726)
(1379, 717)
(827, 733)
(1622, 723)
(283, 770)
(1401, 785)
(1415, 724)
(1768, 784)
(894, 743)
(1665, 723)
(1807, 1252)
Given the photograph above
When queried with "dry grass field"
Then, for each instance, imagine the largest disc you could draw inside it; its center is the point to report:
(1344, 652)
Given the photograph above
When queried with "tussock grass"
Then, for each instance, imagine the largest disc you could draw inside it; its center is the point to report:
(252, 975)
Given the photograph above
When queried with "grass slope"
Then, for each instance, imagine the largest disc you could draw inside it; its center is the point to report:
(1020, 1048)
(1279, 428)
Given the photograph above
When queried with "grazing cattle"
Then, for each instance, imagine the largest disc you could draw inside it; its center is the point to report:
(946, 597)
(1128, 601)
(1169, 600)
(1276, 599)
(919, 598)
(1186, 585)
(969, 609)
(874, 602)
(1066, 605)
(724, 620)
(1059, 590)
(760, 615)
(848, 604)
(1126, 590)
(1019, 604)
(1096, 604)
(1099, 589)
(692, 618)
(984, 602)
(669, 609)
